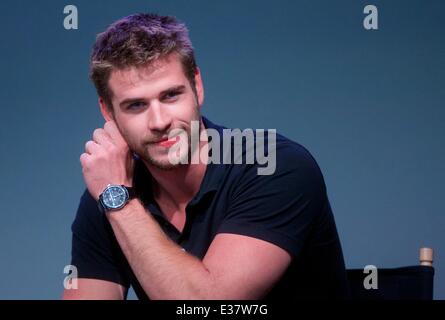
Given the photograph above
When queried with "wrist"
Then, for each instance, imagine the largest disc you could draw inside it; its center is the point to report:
(115, 197)
(131, 210)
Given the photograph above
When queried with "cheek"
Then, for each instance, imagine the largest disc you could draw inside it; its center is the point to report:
(134, 136)
(131, 134)
(186, 110)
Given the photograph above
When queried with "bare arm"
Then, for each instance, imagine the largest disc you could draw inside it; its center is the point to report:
(235, 266)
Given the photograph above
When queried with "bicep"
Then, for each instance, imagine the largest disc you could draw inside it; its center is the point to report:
(94, 289)
(243, 267)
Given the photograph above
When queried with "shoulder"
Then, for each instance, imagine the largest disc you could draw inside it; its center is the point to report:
(292, 154)
(285, 164)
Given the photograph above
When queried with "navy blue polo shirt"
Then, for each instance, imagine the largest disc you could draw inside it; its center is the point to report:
(288, 208)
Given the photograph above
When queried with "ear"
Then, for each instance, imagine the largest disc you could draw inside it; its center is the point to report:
(106, 113)
(199, 87)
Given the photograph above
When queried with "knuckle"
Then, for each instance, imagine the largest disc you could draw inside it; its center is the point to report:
(97, 132)
(107, 126)
(84, 159)
(88, 143)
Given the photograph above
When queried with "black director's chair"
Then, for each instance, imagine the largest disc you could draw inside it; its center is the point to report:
(405, 283)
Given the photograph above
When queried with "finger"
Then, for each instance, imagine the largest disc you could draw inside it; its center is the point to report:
(111, 128)
(84, 158)
(101, 137)
(91, 147)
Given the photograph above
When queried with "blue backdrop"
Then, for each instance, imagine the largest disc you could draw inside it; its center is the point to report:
(369, 105)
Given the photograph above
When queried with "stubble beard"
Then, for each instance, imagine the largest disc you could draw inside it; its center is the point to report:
(162, 162)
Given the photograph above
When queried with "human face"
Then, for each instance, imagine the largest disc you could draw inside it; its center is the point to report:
(149, 102)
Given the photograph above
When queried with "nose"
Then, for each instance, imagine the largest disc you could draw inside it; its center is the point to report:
(159, 119)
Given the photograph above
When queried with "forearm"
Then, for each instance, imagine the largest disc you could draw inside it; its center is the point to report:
(162, 268)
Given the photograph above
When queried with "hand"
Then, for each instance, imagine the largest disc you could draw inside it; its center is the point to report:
(107, 160)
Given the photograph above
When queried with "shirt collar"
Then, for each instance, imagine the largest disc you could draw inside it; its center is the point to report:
(214, 171)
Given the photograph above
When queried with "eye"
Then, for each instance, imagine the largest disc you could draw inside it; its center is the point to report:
(172, 95)
(136, 105)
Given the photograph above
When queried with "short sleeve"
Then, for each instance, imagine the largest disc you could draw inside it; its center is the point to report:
(280, 208)
(95, 251)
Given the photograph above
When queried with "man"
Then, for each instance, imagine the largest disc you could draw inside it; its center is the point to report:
(200, 230)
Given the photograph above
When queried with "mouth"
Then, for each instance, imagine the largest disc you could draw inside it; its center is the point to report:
(166, 143)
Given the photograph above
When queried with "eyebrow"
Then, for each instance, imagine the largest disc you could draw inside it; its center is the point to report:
(171, 89)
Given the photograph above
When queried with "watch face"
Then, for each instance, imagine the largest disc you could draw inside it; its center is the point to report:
(114, 197)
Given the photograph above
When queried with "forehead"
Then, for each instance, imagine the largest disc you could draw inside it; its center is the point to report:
(147, 80)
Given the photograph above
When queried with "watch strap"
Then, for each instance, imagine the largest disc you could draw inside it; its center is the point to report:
(131, 192)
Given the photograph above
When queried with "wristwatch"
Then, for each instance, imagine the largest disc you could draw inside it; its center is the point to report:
(115, 197)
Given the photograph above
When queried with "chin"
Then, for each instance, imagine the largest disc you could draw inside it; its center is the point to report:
(160, 159)
(161, 162)
(164, 165)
